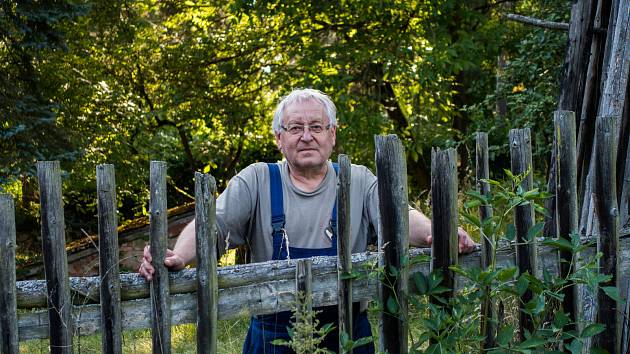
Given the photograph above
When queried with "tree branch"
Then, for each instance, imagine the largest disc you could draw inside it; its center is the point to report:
(538, 22)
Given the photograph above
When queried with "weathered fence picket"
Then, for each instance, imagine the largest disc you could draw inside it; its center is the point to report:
(344, 250)
(444, 211)
(521, 156)
(607, 209)
(566, 204)
(55, 263)
(391, 171)
(8, 304)
(304, 286)
(207, 283)
(160, 299)
(111, 315)
(488, 313)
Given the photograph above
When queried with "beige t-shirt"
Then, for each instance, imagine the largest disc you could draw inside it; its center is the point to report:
(244, 211)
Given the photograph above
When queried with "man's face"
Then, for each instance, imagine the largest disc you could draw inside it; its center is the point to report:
(306, 149)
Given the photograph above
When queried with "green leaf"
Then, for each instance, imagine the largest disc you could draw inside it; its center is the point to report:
(472, 204)
(531, 194)
(599, 351)
(421, 283)
(362, 341)
(506, 274)
(510, 233)
(532, 343)
(392, 306)
(592, 330)
(393, 271)
(521, 285)
(280, 342)
(348, 275)
(404, 260)
(505, 335)
(536, 305)
(534, 231)
(575, 347)
(559, 243)
(471, 219)
(560, 320)
(612, 293)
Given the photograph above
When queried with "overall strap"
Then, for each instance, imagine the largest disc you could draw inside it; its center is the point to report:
(277, 201)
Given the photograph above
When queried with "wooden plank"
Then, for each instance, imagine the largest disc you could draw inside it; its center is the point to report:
(625, 328)
(444, 221)
(111, 324)
(576, 62)
(488, 313)
(8, 303)
(521, 157)
(624, 163)
(303, 287)
(607, 209)
(566, 208)
(158, 234)
(206, 242)
(55, 264)
(344, 248)
(617, 70)
(590, 102)
(391, 170)
(274, 290)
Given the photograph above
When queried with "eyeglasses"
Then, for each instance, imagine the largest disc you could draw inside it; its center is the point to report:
(299, 129)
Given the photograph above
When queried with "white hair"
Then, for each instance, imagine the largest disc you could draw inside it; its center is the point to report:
(301, 95)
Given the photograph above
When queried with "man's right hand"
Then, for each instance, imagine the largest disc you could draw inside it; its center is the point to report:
(172, 261)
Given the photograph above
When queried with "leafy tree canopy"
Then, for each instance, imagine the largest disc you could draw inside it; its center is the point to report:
(195, 82)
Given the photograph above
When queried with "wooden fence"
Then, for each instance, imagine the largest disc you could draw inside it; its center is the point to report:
(114, 302)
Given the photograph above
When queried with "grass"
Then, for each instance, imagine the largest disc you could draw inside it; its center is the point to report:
(183, 340)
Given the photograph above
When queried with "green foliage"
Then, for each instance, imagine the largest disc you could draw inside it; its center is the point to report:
(305, 332)
(452, 325)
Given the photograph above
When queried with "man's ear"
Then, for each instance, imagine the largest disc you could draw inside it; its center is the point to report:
(278, 141)
(333, 131)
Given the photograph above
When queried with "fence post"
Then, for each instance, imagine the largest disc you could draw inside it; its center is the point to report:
(566, 203)
(207, 283)
(303, 286)
(111, 316)
(8, 304)
(444, 249)
(521, 156)
(55, 259)
(488, 313)
(158, 234)
(344, 260)
(391, 170)
(607, 209)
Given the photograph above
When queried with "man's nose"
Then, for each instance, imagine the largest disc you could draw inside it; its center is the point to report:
(307, 136)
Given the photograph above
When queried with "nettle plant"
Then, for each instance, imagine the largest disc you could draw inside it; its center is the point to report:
(305, 333)
(453, 325)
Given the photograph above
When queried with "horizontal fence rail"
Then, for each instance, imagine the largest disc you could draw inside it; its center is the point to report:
(260, 288)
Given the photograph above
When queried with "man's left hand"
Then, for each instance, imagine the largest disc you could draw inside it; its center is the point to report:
(465, 245)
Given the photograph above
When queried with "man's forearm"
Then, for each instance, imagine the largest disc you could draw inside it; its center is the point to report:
(419, 228)
(185, 247)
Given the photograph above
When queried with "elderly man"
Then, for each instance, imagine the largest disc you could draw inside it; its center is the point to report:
(288, 210)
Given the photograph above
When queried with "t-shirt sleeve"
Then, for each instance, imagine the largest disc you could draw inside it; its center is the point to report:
(371, 203)
(235, 208)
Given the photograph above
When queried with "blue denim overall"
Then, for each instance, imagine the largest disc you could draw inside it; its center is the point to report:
(264, 329)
